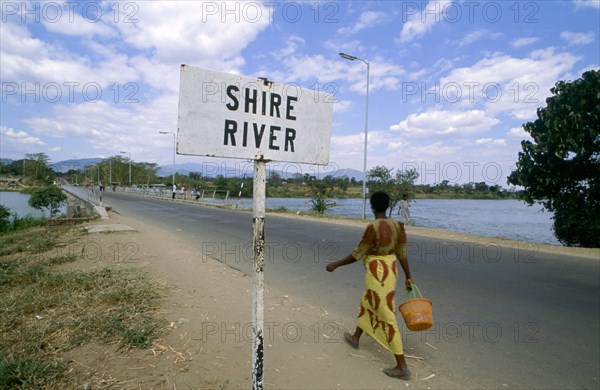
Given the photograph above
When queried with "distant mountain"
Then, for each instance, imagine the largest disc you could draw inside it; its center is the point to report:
(184, 169)
(350, 173)
(235, 169)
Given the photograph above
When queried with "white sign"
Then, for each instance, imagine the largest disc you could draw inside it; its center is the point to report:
(228, 115)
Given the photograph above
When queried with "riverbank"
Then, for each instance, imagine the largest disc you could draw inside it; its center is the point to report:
(592, 253)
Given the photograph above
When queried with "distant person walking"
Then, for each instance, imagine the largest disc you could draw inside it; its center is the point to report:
(174, 191)
(383, 242)
(404, 211)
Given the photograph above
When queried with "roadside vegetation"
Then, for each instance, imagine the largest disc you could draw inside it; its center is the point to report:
(49, 307)
(10, 222)
(560, 166)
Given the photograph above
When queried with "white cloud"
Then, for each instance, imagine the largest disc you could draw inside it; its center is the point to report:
(436, 123)
(18, 137)
(292, 44)
(367, 19)
(518, 133)
(501, 83)
(342, 106)
(525, 41)
(165, 35)
(343, 45)
(587, 3)
(477, 35)
(458, 160)
(490, 141)
(303, 69)
(194, 32)
(27, 60)
(69, 20)
(578, 38)
(420, 23)
(131, 127)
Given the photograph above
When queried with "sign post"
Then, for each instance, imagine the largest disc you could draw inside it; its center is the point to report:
(227, 115)
(258, 287)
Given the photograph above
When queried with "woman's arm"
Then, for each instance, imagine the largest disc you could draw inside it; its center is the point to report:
(340, 263)
(367, 241)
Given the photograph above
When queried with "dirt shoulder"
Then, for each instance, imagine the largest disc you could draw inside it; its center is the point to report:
(208, 333)
(208, 339)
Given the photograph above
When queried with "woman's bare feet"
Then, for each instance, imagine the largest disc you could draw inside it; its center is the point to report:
(397, 372)
(351, 340)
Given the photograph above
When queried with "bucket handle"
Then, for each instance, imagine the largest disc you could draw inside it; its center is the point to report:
(412, 291)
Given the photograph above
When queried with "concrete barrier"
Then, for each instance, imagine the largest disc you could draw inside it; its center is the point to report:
(90, 198)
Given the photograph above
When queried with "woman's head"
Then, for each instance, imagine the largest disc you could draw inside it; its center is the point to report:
(380, 201)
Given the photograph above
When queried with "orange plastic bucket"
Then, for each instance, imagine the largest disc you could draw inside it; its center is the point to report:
(417, 312)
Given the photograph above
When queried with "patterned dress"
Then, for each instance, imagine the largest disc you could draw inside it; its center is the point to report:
(383, 242)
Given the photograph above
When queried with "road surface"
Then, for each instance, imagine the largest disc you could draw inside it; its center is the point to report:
(503, 317)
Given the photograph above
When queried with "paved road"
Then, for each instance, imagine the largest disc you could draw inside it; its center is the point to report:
(504, 317)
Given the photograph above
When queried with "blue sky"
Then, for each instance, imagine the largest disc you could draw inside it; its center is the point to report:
(451, 82)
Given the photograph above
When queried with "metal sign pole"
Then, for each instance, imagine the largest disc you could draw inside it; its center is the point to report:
(258, 226)
(287, 127)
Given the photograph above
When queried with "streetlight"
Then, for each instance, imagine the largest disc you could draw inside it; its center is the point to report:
(364, 189)
(174, 150)
(129, 166)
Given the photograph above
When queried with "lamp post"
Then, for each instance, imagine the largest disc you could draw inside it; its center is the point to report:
(364, 189)
(129, 166)
(174, 150)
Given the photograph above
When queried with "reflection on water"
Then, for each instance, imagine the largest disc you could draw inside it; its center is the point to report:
(17, 203)
(510, 219)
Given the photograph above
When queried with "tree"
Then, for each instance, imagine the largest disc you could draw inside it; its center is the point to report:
(195, 175)
(560, 169)
(147, 172)
(405, 182)
(38, 165)
(381, 179)
(343, 183)
(50, 198)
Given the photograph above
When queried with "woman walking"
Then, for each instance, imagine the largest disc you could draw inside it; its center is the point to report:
(383, 242)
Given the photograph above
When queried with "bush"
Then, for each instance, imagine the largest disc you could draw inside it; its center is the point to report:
(10, 222)
(50, 198)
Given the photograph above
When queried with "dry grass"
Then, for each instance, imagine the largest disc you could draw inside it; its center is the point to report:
(45, 311)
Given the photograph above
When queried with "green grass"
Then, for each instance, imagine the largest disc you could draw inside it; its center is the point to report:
(46, 310)
(15, 223)
(280, 209)
(34, 240)
(29, 373)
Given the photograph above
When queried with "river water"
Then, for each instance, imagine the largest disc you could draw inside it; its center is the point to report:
(17, 203)
(511, 219)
